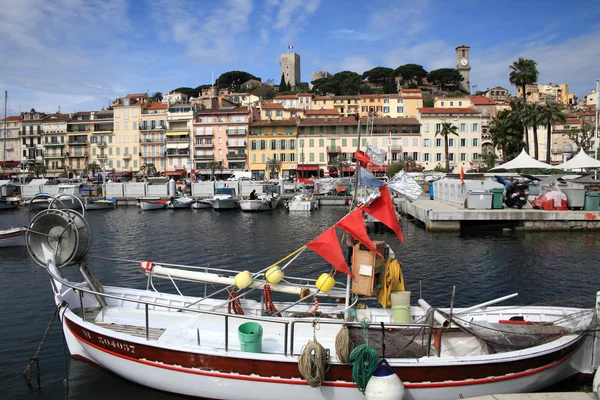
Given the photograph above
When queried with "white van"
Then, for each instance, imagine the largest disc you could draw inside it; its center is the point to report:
(240, 175)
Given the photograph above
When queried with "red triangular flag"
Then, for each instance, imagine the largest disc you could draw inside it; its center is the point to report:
(328, 246)
(354, 224)
(363, 158)
(382, 209)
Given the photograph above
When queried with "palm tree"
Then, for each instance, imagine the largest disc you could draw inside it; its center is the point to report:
(551, 114)
(93, 168)
(37, 169)
(533, 118)
(213, 166)
(273, 166)
(157, 96)
(524, 72)
(447, 129)
(341, 163)
(148, 169)
(505, 130)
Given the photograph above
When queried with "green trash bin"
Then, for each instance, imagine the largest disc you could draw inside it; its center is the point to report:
(497, 194)
(592, 200)
(250, 336)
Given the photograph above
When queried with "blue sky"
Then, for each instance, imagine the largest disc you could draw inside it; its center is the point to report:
(80, 54)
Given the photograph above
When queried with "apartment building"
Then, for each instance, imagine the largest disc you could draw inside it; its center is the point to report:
(498, 94)
(394, 105)
(300, 101)
(178, 139)
(272, 140)
(153, 125)
(346, 106)
(463, 149)
(561, 147)
(10, 144)
(277, 111)
(542, 93)
(31, 136)
(123, 153)
(77, 154)
(220, 135)
(101, 137)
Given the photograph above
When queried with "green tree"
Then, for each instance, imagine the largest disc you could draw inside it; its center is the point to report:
(157, 96)
(411, 74)
(378, 75)
(213, 166)
(92, 168)
(523, 72)
(273, 168)
(341, 163)
(447, 130)
(37, 169)
(282, 84)
(394, 168)
(430, 102)
(533, 118)
(148, 169)
(234, 79)
(445, 78)
(551, 114)
(390, 86)
(489, 159)
(583, 138)
(506, 131)
(190, 92)
(288, 87)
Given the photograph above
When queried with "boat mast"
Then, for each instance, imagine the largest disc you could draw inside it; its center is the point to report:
(4, 138)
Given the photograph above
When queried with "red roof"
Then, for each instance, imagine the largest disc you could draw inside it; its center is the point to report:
(137, 95)
(286, 96)
(482, 101)
(321, 112)
(281, 122)
(272, 106)
(13, 118)
(573, 121)
(412, 90)
(433, 110)
(157, 106)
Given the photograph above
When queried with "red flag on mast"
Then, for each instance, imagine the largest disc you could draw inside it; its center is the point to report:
(462, 175)
(354, 224)
(382, 209)
(328, 246)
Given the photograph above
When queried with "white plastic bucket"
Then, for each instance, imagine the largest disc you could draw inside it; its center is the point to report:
(401, 307)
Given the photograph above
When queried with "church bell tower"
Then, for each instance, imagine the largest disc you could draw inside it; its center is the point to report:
(463, 65)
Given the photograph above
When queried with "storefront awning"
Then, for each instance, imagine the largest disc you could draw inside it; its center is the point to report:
(177, 133)
(307, 168)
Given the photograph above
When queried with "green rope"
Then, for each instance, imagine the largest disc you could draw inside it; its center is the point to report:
(364, 359)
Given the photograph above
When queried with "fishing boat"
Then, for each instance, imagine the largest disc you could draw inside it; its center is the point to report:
(201, 204)
(102, 203)
(225, 198)
(8, 196)
(152, 203)
(12, 237)
(226, 343)
(263, 202)
(179, 202)
(67, 196)
(302, 202)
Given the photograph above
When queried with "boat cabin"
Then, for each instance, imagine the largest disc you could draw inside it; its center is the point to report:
(69, 189)
(225, 191)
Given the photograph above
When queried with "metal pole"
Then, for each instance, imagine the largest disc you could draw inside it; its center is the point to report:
(4, 138)
(147, 324)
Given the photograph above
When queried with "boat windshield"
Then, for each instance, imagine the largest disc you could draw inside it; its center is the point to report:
(229, 191)
(67, 190)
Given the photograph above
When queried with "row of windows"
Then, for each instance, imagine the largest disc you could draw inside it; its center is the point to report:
(385, 109)
(283, 157)
(451, 103)
(373, 141)
(463, 127)
(280, 144)
(439, 157)
(439, 142)
(125, 113)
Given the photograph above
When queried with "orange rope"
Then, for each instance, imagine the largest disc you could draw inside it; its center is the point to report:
(234, 304)
(269, 306)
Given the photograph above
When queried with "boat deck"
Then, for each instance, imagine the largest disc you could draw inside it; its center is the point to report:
(138, 331)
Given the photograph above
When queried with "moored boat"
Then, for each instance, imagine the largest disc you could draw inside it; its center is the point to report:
(180, 202)
(100, 203)
(302, 202)
(67, 196)
(264, 202)
(8, 195)
(201, 204)
(225, 198)
(152, 203)
(12, 237)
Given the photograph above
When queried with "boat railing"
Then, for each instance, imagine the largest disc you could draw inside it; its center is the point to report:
(288, 324)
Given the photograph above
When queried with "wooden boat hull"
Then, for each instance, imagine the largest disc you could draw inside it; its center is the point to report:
(227, 377)
(147, 205)
(259, 205)
(12, 237)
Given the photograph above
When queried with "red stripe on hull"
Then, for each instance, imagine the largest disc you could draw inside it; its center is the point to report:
(417, 377)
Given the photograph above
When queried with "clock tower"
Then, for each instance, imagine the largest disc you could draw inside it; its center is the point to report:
(463, 65)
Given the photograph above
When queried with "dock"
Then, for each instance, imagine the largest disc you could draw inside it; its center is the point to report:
(437, 215)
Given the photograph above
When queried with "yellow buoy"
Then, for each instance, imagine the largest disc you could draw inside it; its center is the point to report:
(243, 279)
(274, 275)
(325, 283)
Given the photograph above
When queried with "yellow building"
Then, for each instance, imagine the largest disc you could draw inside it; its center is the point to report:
(123, 155)
(269, 140)
(277, 112)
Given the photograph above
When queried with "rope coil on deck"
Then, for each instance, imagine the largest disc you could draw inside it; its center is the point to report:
(313, 360)
(343, 345)
(364, 359)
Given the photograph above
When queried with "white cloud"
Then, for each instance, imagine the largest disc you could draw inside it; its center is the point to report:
(292, 17)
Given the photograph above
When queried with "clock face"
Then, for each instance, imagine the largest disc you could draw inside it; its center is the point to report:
(464, 62)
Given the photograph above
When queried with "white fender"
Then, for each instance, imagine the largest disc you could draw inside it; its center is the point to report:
(385, 384)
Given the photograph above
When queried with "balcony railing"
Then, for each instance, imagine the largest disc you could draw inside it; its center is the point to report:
(232, 143)
(101, 144)
(152, 128)
(234, 132)
(334, 149)
(177, 153)
(204, 145)
(54, 155)
(204, 156)
(178, 139)
(102, 156)
(236, 156)
(205, 133)
(395, 147)
(77, 142)
(152, 140)
(127, 156)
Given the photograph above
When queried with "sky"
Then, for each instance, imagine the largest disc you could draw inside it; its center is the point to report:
(79, 55)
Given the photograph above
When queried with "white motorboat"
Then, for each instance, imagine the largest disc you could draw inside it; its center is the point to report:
(180, 202)
(264, 202)
(8, 195)
(152, 203)
(12, 237)
(67, 196)
(100, 203)
(236, 347)
(202, 204)
(302, 202)
(225, 198)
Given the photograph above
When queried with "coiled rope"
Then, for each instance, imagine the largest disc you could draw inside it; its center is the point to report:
(270, 308)
(343, 345)
(34, 360)
(312, 361)
(234, 303)
(364, 359)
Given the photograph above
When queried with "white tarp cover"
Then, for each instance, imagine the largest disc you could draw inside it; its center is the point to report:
(581, 160)
(523, 161)
(405, 185)
(4, 182)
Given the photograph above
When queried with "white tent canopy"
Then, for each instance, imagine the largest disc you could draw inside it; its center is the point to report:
(523, 161)
(581, 160)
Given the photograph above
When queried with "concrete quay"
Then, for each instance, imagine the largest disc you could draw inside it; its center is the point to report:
(441, 216)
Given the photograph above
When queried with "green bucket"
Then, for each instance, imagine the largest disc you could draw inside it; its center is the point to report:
(250, 336)
(401, 314)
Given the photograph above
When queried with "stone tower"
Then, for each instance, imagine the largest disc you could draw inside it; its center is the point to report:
(463, 65)
(290, 68)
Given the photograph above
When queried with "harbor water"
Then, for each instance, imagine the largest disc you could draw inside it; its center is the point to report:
(557, 268)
